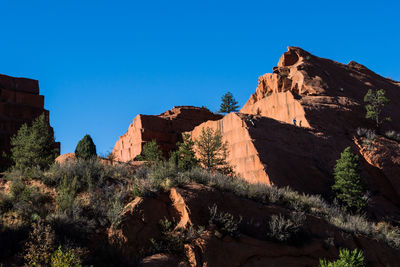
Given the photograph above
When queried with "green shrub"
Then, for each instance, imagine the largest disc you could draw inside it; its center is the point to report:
(66, 193)
(172, 239)
(393, 135)
(64, 258)
(86, 149)
(224, 222)
(185, 157)
(34, 145)
(347, 258)
(150, 152)
(283, 229)
(348, 185)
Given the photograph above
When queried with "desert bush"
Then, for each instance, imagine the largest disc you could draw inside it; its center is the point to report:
(172, 239)
(283, 229)
(64, 258)
(66, 193)
(224, 222)
(393, 135)
(347, 258)
(85, 149)
(6, 202)
(40, 245)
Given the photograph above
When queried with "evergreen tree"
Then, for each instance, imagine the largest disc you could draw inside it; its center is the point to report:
(348, 185)
(185, 155)
(376, 102)
(150, 152)
(229, 104)
(86, 148)
(213, 151)
(34, 145)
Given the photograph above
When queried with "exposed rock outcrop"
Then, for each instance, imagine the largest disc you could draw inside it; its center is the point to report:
(165, 128)
(326, 98)
(20, 103)
(141, 217)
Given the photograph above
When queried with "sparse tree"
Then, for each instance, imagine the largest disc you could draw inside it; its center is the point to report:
(348, 185)
(376, 102)
(150, 152)
(213, 151)
(34, 145)
(86, 148)
(229, 104)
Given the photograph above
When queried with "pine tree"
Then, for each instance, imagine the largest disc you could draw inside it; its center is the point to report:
(86, 148)
(229, 104)
(34, 145)
(213, 151)
(150, 152)
(348, 185)
(377, 101)
(185, 155)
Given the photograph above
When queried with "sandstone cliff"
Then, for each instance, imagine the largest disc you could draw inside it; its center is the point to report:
(165, 128)
(20, 103)
(326, 98)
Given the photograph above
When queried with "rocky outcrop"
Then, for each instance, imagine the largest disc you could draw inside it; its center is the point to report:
(320, 239)
(319, 93)
(165, 128)
(20, 103)
(326, 98)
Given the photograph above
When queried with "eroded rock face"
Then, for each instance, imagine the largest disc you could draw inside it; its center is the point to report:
(326, 98)
(165, 128)
(20, 103)
(140, 223)
(319, 92)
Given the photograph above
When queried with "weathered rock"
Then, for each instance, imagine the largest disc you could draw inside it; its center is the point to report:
(20, 103)
(165, 128)
(319, 93)
(326, 98)
(252, 248)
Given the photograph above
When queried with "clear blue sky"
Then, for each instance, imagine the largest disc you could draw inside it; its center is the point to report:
(100, 63)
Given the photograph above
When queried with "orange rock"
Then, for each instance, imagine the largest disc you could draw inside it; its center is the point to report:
(165, 128)
(68, 157)
(20, 103)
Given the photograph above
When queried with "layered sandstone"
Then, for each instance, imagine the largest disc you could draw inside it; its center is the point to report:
(20, 103)
(165, 128)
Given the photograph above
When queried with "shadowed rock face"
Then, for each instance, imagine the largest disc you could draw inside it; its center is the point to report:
(189, 207)
(165, 128)
(326, 97)
(20, 103)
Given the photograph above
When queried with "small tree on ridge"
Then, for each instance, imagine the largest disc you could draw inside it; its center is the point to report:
(229, 104)
(86, 148)
(376, 102)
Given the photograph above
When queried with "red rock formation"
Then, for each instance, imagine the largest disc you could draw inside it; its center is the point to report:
(327, 98)
(20, 103)
(139, 224)
(165, 128)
